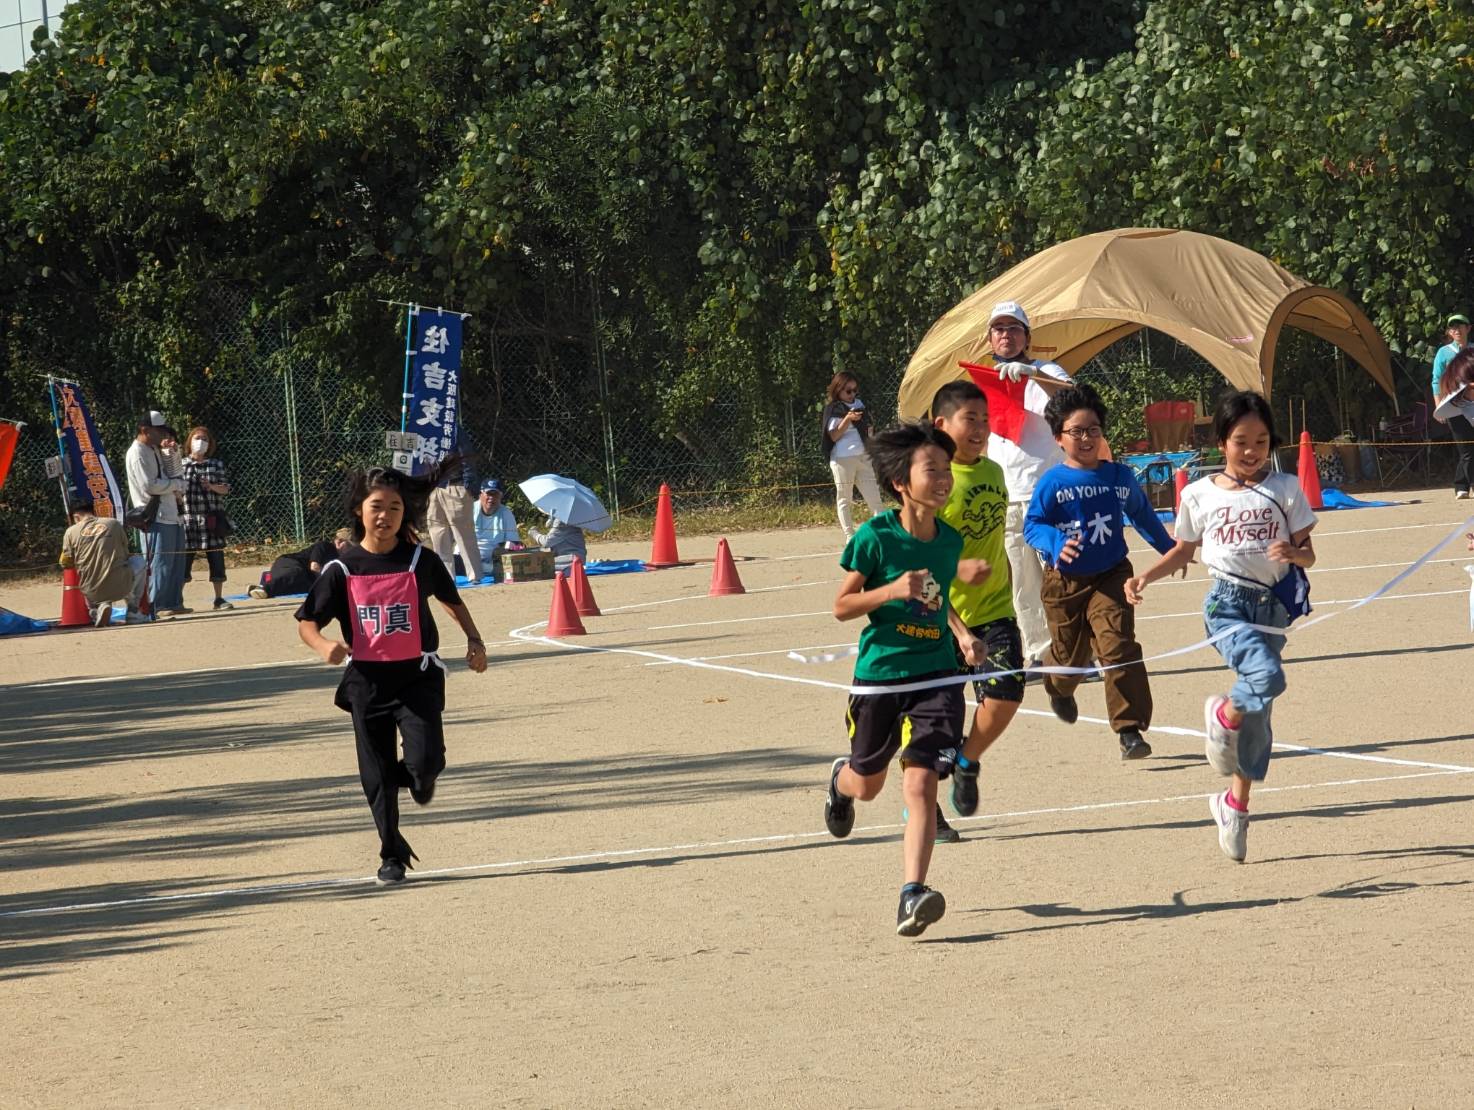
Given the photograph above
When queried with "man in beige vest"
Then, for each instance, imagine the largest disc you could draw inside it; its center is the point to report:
(97, 548)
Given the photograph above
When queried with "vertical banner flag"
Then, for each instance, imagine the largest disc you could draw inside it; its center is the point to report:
(434, 411)
(9, 437)
(87, 466)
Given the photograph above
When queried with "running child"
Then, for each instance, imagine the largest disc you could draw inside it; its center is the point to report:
(1077, 521)
(898, 566)
(984, 628)
(378, 590)
(1252, 526)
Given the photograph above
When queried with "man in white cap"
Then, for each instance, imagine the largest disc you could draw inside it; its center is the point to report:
(1022, 462)
(163, 538)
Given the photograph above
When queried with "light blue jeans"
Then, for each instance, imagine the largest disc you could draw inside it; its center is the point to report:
(1254, 657)
(167, 565)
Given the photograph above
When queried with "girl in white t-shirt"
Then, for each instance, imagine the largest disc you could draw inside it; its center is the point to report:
(1251, 525)
(846, 428)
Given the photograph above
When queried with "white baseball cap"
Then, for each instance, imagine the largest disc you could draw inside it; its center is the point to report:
(1010, 309)
(154, 419)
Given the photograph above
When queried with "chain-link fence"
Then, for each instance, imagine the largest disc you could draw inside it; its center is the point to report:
(289, 431)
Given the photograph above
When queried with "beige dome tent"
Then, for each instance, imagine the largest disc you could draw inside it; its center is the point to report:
(1222, 300)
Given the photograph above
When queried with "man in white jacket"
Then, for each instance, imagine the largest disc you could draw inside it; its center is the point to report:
(148, 476)
(1022, 463)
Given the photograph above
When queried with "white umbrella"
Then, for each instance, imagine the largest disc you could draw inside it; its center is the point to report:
(571, 502)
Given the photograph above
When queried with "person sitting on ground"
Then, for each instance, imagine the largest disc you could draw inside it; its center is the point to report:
(564, 540)
(97, 548)
(496, 527)
(296, 572)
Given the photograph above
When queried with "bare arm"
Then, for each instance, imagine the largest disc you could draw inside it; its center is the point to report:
(332, 652)
(855, 600)
(844, 423)
(1176, 559)
(1299, 551)
(475, 648)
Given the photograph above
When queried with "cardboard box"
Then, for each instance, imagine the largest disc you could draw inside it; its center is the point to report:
(526, 566)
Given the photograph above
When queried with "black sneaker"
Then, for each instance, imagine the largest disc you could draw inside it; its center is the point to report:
(1066, 709)
(1133, 746)
(391, 871)
(422, 795)
(221, 603)
(839, 811)
(1095, 675)
(918, 910)
(965, 790)
(946, 834)
(1032, 677)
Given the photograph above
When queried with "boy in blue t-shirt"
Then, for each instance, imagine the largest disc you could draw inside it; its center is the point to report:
(898, 568)
(1077, 521)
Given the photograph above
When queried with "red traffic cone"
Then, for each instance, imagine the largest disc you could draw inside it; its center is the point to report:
(1309, 475)
(578, 588)
(1179, 483)
(73, 604)
(663, 544)
(562, 615)
(724, 578)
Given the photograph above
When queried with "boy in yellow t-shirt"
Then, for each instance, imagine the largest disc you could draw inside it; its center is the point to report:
(984, 628)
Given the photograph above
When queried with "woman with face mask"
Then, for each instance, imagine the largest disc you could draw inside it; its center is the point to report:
(205, 524)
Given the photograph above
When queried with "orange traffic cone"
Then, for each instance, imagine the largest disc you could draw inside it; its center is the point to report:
(663, 543)
(1309, 475)
(724, 578)
(578, 588)
(1179, 483)
(73, 604)
(562, 615)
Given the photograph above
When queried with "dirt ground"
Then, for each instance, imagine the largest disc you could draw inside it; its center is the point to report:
(626, 896)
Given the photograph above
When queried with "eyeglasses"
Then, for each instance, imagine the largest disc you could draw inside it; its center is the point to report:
(1095, 431)
(1004, 329)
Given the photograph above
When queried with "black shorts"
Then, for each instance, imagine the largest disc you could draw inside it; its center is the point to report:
(924, 726)
(1005, 652)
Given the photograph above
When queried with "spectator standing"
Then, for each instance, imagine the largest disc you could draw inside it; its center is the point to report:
(448, 520)
(495, 525)
(163, 539)
(1458, 339)
(205, 487)
(845, 427)
(1455, 407)
(1023, 462)
(97, 548)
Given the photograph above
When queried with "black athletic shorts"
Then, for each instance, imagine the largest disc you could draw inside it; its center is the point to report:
(925, 726)
(1005, 652)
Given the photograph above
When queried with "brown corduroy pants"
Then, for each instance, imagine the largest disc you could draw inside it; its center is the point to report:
(1090, 616)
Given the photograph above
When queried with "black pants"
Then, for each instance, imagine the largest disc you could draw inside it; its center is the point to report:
(1463, 433)
(383, 774)
(216, 561)
(287, 576)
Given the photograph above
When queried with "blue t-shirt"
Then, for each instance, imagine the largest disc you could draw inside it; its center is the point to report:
(1441, 360)
(1091, 505)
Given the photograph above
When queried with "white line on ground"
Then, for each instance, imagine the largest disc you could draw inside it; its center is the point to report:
(750, 654)
(741, 620)
(671, 849)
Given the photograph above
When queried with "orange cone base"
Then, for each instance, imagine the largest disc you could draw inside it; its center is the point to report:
(1179, 483)
(663, 551)
(724, 579)
(582, 593)
(73, 604)
(562, 616)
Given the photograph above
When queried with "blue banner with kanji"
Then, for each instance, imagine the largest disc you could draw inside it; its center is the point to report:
(435, 377)
(88, 474)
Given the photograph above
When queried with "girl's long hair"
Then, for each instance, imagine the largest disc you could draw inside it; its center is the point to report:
(838, 382)
(413, 490)
(1457, 374)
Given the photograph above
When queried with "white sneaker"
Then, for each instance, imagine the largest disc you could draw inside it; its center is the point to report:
(1461, 495)
(1233, 827)
(258, 592)
(102, 615)
(1222, 747)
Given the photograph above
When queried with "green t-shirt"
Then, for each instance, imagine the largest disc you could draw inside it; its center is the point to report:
(904, 639)
(977, 508)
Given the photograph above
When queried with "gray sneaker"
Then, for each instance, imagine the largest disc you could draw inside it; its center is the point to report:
(1233, 827)
(1222, 746)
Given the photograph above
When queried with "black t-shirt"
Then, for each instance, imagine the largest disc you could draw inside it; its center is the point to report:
(328, 601)
(322, 553)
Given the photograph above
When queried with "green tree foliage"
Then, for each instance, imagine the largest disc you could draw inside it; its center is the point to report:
(752, 193)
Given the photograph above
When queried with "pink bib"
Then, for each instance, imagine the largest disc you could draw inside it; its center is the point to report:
(385, 609)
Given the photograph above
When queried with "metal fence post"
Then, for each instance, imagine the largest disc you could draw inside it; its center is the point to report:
(601, 372)
(294, 451)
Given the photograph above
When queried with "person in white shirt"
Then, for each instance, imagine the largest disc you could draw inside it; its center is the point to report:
(1455, 407)
(149, 473)
(496, 527)
(1022, 463)
(846, 429)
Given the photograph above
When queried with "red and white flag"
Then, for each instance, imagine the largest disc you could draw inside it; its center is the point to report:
(1006, 410)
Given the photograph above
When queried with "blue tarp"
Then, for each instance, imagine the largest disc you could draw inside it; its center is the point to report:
(1335, 499)
(13, 624)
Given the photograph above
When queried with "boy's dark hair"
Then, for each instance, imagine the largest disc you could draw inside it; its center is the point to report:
(1073, 398)
(890, 452)
(953, 396)
(81, 505)
(414, 491)
(1233, 407)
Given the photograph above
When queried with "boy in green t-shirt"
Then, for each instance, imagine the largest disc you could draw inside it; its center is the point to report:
(983, 624)
(898, 568)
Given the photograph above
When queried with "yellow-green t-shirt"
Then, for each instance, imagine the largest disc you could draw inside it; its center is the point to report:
(976, 509)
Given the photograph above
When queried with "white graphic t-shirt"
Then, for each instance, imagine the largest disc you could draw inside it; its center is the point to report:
(1236, 526)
